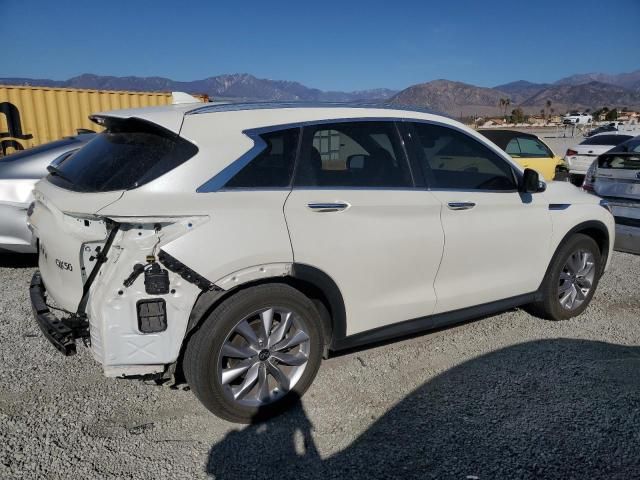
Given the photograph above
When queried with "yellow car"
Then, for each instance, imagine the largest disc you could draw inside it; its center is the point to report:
(529, 151)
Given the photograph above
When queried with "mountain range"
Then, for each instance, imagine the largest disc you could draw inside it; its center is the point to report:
(580, 91)
(237, 86)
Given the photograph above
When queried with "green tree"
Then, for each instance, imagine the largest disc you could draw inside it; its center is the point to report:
(612, 115)
(518, 116)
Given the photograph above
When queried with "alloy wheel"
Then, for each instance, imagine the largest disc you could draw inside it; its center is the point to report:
(263, 356)
(576, 279)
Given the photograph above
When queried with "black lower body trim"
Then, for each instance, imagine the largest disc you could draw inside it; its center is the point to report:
(185, 272)
(411, 327)
(58, 331)
(629, 222)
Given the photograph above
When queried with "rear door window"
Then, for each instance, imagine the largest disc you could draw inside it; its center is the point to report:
(130, 153)
(353, 154)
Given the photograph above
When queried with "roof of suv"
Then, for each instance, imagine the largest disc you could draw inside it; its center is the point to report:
(171, 116)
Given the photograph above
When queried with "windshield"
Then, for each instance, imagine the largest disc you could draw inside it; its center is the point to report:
(128, 154)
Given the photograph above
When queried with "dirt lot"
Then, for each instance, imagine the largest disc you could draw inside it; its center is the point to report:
(509, 396)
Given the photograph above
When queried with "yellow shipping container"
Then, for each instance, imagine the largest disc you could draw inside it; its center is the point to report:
(31, 116)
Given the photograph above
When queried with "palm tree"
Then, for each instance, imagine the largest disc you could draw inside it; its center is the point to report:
(548, 104)
(504, 104)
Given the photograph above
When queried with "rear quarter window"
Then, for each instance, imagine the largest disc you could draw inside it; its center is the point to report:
(130, 153)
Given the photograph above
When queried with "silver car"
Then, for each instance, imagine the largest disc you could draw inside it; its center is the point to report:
(18, 174)
(615, 176)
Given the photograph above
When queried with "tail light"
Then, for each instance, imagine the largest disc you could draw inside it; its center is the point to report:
(588, 184)
(571, 152)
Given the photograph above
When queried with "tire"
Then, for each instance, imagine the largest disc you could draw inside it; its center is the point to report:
(218, 349)
(564, 276)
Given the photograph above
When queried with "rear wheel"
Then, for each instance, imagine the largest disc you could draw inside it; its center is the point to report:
(256, 353)
(571, 280)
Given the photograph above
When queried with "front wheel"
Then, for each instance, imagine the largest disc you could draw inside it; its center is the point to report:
(256, 353)
(571, 279)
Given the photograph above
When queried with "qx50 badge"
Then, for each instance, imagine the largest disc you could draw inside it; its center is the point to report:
(64, 265)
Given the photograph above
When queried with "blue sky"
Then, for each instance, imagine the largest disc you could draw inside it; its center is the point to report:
(332, 45)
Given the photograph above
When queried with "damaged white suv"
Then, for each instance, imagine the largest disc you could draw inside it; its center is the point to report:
(238, 244)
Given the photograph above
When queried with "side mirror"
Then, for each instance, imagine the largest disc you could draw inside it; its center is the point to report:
(531, 182)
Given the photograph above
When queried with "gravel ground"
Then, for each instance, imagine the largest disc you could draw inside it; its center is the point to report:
(509, 396)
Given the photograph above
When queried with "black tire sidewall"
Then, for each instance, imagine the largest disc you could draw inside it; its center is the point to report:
(204, 347)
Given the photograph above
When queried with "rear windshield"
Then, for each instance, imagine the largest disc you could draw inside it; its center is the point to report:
(606, 140)
(628, 161)
(632, 146)
(127, 155)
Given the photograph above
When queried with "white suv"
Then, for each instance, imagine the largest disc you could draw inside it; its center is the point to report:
(238, 244)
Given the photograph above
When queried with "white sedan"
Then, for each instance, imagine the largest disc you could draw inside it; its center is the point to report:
(580, 157)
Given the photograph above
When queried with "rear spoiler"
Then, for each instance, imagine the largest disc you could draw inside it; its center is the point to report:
(179, 98)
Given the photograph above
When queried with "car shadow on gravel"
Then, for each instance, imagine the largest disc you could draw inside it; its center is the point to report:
(18, 260)
(546, 409)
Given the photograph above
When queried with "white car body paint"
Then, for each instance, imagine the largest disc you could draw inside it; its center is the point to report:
(395, 254)
(383, 251)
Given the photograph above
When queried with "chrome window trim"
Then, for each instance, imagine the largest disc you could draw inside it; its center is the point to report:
(472, 190)
(219, 180)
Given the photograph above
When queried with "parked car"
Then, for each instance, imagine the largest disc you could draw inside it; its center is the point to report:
(19, 173)
(580, 157)
(529, 151)
(576, 118)
(602, 129)
(615, 176)
(240, 244)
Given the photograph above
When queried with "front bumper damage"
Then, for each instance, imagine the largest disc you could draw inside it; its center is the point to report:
(61, 332)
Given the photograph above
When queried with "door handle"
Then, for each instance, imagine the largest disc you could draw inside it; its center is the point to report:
(328, 207)
(461, 205)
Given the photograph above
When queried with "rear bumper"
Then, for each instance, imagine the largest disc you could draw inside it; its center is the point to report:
(62, 333)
